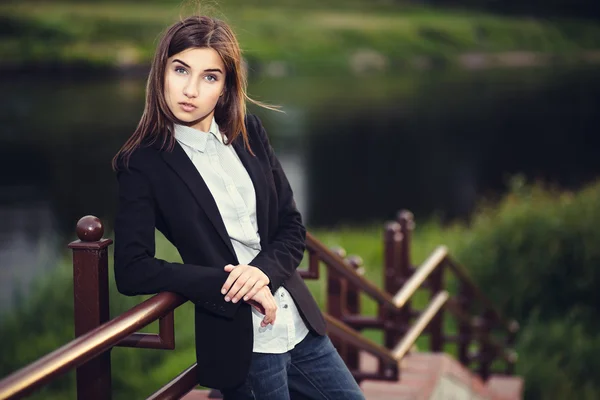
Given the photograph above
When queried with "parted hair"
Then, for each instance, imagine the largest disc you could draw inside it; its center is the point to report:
(156, 123)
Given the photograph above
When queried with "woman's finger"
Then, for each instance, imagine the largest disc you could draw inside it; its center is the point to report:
(248, 285)
(233, 275)
(229, 268)
(257, 286)
(237, 286)
(270, 312)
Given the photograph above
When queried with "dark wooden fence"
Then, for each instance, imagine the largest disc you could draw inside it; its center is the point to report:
(483, 336)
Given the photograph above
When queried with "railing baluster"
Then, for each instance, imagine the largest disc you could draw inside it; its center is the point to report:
(510, 344)
(465, 334)
(90, 289)
(353, 308)
(436, 327)
(336, 301)
(486, 352)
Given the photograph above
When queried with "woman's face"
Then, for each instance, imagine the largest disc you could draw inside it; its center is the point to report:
(194, 80)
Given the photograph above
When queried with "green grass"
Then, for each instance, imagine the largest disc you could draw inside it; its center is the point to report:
(311, 37)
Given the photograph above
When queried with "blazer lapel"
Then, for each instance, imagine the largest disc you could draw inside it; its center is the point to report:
(183, 166)
(252, 165)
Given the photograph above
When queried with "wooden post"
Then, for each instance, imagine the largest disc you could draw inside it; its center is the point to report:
(465, 333)
(393, 323)
(407, 225)
(436, 327)
(336, 301)
(486, 352)
(404, 266)
(90, 289)
(513, 328)
(353, 308)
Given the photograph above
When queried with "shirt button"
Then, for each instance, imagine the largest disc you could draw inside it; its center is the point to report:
(285, 306)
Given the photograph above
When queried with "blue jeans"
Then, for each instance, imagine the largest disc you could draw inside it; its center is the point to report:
(312, 370)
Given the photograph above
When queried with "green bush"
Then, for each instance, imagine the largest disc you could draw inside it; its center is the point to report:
(536, 255)
(559, 359)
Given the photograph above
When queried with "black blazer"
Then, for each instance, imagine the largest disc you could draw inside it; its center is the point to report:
(163, 190)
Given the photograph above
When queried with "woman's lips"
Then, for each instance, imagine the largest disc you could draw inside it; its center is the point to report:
(187, 107)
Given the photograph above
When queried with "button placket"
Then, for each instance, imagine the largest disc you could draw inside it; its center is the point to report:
(240, 205)
(234, 194)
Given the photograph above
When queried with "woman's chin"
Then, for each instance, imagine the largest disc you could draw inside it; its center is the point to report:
(183, 116)
(187, 117)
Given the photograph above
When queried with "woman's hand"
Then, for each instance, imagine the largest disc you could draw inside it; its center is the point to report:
(243, 281)
(264, 302)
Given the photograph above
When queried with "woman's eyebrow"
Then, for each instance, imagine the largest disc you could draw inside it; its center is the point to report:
(206, 70)
(181, 62)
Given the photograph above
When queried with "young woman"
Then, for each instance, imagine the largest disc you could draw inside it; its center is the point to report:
(202, 171)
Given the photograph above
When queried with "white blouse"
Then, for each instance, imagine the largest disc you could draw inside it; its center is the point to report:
(233, 191)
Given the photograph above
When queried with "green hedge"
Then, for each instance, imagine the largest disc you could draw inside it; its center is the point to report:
(537, 256)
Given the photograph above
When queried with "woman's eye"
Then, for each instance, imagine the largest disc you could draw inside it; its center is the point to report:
(211, 78)
(180, 70)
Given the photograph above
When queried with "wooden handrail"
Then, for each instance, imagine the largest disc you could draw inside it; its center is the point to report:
(338, 264)
(349, 335)
(435, 260)
(87, 346)
(418, 278)
(415, 331)
(431, 265)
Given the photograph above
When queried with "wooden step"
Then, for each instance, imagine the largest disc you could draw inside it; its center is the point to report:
(502, 387)
(197, 395)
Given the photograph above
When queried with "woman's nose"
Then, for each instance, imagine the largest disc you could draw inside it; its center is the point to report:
(190, 90)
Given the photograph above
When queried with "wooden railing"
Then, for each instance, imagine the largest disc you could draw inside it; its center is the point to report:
(479, 323)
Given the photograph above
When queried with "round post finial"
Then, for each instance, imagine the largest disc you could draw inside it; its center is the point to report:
(406, 218)
(89, 229)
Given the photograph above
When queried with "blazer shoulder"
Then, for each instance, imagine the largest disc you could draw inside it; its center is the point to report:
(255, 128)
(141, 158)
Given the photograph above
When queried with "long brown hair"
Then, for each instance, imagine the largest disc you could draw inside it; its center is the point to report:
(156, 124)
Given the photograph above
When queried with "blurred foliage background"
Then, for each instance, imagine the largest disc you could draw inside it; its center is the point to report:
(309, 35)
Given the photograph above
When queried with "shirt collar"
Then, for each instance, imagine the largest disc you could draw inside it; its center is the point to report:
(195, 138)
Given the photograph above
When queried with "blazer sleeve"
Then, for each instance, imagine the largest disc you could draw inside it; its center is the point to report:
(138, 272)
(285, 249)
